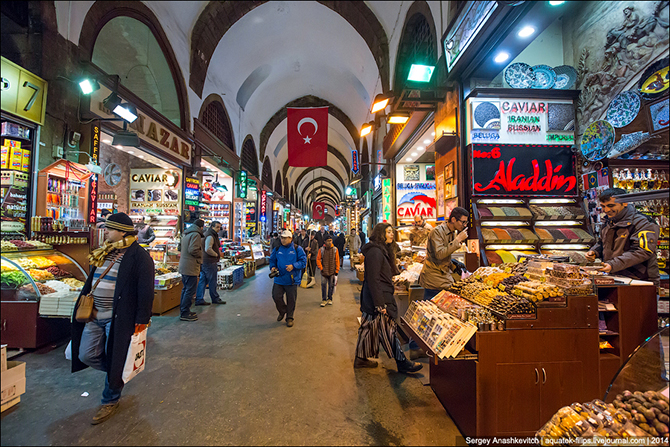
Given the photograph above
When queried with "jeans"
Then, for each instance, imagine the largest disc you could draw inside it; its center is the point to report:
(92, 353)
(327, 281)
(189, 285)
(207, 277)
(287, 307)
(428, 294)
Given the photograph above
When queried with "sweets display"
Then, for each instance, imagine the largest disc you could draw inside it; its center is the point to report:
(557, 212)
(503, 235)
(563, 235)
(649, 410)
(504, 211)
(16, 245)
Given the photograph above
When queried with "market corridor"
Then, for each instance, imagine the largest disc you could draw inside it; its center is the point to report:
(237, 376)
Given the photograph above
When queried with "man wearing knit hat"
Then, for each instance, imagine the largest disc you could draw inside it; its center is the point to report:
(287, 261)
(123, 297)
(190, 261)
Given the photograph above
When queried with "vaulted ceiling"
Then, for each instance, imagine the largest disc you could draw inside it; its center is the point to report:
(263, 56)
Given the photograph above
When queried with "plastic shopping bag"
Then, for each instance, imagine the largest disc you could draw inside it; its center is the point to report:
(136, 356)
(68, 351)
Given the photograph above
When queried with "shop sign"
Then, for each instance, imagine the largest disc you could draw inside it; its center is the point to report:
(155, 191)
(377, 182)
(386, 199)
(264, 200)
(354, 162)
(241, 184)
(192, 192)
(147, 128)
(250, 213)
(93, 184)
(521, 121)
(415, 185)
(518, 170)
(23, 93)
(416, 204)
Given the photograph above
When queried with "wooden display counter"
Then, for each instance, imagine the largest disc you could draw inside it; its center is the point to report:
(511, 382)
(165, 300)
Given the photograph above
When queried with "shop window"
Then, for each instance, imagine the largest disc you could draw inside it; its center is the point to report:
(127, 47)
(248, 157)
(215, 119)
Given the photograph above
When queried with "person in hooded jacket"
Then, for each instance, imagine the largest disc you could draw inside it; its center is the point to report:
(190, 261)
(378, 304)
(339, 242)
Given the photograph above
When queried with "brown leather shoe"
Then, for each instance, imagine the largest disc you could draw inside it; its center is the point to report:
(364, 363)
(289, 322)
(105, 412)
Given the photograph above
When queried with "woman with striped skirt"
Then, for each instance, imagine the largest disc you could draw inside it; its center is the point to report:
(378, 305)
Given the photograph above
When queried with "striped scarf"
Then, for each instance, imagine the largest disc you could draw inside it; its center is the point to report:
(97, 257)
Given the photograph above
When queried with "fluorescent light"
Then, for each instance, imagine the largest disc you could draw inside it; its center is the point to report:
(509, 247)
(420, 148)
(414, 154)
(504, 224)
(501, 57)
(501, 201)
(131, 152)
(565, 247)
(426, 141)
(526, 31)
(408, 159)
(107, 141)
(557, 223)
(420, 73)
(126, 112)
(556, 3)
(118, 146)
(534, 201)
(433, 134)
(141, 156)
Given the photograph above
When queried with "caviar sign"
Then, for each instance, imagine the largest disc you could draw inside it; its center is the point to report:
(523, 170)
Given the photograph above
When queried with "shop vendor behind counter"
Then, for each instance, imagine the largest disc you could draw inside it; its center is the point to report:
(627, 243)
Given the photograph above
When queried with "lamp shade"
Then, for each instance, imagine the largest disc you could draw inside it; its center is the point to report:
(124, 138)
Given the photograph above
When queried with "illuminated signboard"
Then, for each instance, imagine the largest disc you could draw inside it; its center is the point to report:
(242, 184)
(387, 194)
(93, 185)
(354, 162)
(264, 201)
(192, 192)
(518, 170)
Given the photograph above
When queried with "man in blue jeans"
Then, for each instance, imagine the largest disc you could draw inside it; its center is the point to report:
(287, 261)
(190, 261)
(210, 259)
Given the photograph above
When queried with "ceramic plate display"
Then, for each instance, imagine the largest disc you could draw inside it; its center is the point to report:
(519, 75)
(487, 115)
(597, 140)
(623, 109)
(655, 80)
(545, 77)
(566, 76)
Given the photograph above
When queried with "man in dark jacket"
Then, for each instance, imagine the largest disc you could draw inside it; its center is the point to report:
(103, 342)
(190, 261)
(328, 261)
(288, 261)
(340, 241)
(321, 236)
(211, 253)
(275, 242)
(362, 236)
(302, 240)
(627, 243)
(145, 234)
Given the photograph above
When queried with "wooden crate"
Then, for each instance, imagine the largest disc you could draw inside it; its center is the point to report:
(10, 404)
(165, 300)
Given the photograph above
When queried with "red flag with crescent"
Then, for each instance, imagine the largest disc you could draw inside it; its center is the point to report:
(318, 210)
(307, 135)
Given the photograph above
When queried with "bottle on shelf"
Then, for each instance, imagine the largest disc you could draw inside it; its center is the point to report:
(615, 178)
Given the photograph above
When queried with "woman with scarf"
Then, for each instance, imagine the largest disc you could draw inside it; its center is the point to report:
(123, 299)
(378, 305)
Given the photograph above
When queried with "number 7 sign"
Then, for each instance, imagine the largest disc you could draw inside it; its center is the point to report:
(23, 93)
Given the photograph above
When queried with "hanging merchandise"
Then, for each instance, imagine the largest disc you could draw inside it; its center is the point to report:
(623, 109)
(628, 143)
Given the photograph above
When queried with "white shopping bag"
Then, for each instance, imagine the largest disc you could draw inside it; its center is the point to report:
(335, 282)
(136, 356)
(68, 351)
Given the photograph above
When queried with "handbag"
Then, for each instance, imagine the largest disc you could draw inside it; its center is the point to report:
(84, 312)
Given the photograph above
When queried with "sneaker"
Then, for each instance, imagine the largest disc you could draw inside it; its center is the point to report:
(202, 303)
(408, 366)
(105, 412)
(218, 302)
(323, 304)
(364, 363)
(189, 317)
(289, 322)
(280, 317)
(329, 302)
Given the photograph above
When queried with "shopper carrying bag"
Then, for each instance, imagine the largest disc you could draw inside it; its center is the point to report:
(135, 359)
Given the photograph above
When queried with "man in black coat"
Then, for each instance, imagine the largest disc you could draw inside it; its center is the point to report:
(123, 300)
(339, 241)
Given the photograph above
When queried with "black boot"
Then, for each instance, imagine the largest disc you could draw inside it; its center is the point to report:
(407, 366)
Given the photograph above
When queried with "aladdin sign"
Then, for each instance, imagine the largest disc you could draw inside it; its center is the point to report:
(147, 129)
(516, 170)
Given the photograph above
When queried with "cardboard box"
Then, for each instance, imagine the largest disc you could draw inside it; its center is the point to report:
(4, 157)
(165, 300)
(4, 358)
(25, 162)
(13, 381)
(10, 404)
(15, 158)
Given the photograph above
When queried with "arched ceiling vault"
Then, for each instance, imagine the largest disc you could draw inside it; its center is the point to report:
(307, 171)
(317, 180)
(321, 189)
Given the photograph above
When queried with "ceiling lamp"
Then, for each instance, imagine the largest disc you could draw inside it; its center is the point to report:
(367, 128)
(420, 73)
(380, 103)
(526, 31)
(398, 118)
(556, 3)
(501, 57)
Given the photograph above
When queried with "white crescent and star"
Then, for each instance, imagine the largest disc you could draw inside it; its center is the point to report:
(312, 121)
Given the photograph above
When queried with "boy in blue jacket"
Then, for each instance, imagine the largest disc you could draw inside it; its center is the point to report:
(288, 261)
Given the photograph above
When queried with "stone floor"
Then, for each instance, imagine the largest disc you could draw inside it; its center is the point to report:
(237, 376)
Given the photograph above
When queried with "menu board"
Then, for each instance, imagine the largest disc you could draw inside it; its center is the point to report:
(154, 191)
(192, 193)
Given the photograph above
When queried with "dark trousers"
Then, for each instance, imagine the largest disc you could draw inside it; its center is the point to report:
(287, 307)
(189, 285)
(312, 267)
(329, 283)
(207, 277)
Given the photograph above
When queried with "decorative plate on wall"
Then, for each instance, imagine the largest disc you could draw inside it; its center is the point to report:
(655, 80)
(566, 76)
(487, 115)
(623, 109)
(597, 140)
(545, 76)
(519, 75)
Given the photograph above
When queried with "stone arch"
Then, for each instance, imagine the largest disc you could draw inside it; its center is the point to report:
(213, 115)
(313, 168)
(278, 184)
(418, 43)
(325, 180)
(266, 173)
(102, 12)
(286, 189)
(306, 101)
(218, 17)
(248, 158)
(318, 189)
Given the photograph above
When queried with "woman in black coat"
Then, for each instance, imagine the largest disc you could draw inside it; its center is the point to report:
(132, 303)
(378, 304)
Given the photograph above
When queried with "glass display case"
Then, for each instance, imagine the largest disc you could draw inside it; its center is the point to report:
(48, 277)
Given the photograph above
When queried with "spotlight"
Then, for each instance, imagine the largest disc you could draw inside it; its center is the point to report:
(125, 138)
(420, 73)
(126, 111)
(501, 57)
(367, 128)
(89, 86)
(380, 103)
(398, 118)
(111, 101)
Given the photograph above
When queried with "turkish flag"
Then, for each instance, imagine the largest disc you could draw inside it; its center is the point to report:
(307, 135)
(318, 210)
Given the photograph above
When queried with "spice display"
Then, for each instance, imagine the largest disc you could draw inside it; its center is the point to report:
(40, 275)
(58, 272)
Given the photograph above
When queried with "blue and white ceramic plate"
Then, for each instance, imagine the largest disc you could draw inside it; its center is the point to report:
(545, 77)
(597, 140)
(566, 76)
(519, 75)
(623, 109)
